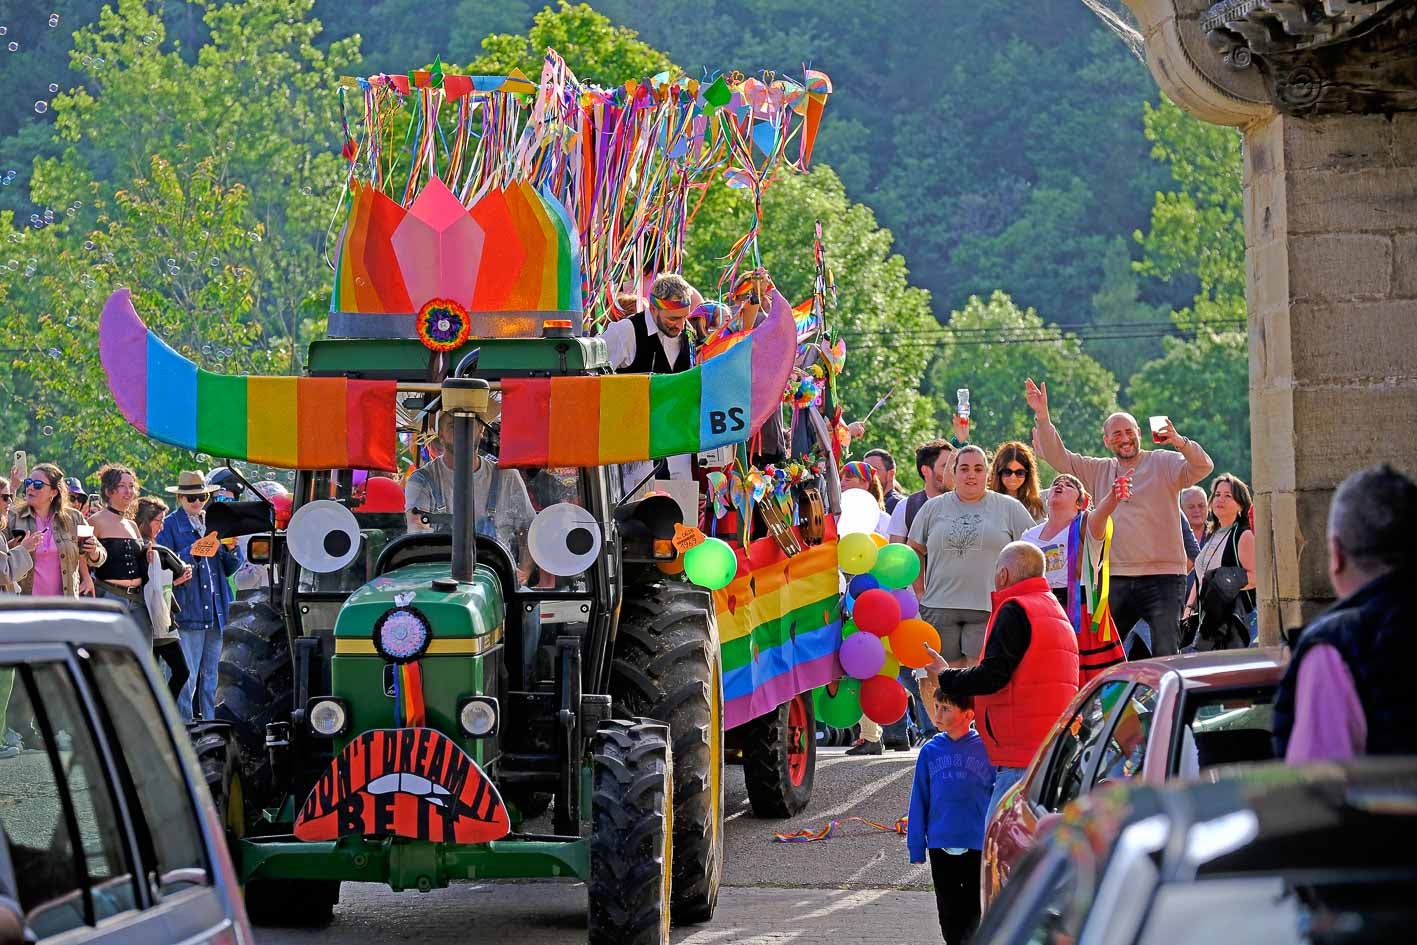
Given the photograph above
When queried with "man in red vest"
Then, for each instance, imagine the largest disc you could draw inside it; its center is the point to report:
(1029, 670)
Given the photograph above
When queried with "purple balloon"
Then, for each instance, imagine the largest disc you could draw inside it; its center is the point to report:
(862, 655)
(909, 606)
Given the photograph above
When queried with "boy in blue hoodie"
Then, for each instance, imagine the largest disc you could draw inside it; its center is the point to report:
(949, 803)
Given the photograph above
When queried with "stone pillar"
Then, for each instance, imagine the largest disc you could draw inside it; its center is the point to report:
(1331, 249)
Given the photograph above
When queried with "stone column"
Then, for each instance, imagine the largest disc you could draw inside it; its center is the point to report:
(1326, 97)
(1331, 252)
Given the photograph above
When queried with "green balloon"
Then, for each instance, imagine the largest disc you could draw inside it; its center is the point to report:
(841, 709)
(711, 564)
(896, 566)
(848, 627)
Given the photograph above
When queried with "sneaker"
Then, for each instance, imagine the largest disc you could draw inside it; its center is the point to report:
(898, 744)
(9, 751)
(863, 747)
(13, 739)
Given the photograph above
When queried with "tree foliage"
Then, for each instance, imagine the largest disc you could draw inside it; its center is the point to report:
(1081, 391)
(594, 48)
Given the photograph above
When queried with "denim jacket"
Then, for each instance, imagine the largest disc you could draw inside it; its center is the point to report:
(206, 598)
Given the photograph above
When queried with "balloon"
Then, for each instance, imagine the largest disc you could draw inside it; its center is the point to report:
(859, 513)
(839, 704)
(862, 655)
(896, 566)
(892, 665)
(909, 639)
(909, 606)
(848, 627)
(883, 700)
(879, 540)
(855, 553)
(861, 584)
(711, 564)
(876, 612)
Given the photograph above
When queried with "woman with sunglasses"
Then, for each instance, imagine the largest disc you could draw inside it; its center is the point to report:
(1015, 473)
(17, 551)
(66, 548)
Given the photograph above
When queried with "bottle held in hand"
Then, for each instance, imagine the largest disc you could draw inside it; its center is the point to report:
(962, 403)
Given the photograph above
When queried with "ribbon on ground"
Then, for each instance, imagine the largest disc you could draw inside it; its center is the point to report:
(834, 826)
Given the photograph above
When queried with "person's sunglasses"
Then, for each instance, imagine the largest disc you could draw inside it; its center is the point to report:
(35, 483)
(7, 496)
(1013, 472)
(195, 498)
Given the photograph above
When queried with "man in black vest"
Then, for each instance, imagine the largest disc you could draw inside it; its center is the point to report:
(655, 341)
(1348, 689)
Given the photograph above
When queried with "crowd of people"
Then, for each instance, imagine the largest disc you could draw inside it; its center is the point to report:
(119, 545)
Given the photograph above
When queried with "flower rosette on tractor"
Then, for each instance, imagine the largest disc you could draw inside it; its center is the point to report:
(416, 685)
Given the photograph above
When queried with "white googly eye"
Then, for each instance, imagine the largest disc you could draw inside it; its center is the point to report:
(564, 539)
(323, 536)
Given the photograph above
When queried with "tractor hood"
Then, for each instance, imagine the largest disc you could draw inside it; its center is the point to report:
(464, 619)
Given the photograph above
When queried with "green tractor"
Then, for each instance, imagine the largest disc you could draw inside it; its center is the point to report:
(601, 690)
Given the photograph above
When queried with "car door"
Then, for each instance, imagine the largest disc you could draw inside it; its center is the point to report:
(80, 848)
(1074, 758)
(1127, 737)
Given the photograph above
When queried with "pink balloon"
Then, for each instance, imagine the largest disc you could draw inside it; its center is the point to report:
(862, 655)
(909, 606)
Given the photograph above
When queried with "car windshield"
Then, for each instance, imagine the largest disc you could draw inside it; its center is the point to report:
(1324, 910)
(553, 556)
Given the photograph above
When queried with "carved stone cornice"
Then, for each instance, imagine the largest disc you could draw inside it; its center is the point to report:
(1321, 56)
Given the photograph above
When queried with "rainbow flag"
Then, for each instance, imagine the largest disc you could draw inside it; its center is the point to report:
(288, 422)
(592, 421)
(779, 627)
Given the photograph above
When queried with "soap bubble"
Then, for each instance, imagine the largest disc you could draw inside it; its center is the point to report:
(206, 349)
(72, 321)
(46, 430)
(4, 30)
(55, 353)
(213, 262)
(41, 107)
(54, 86)
(14, 47)
(89, 245)
(149, 39)
(53, 20)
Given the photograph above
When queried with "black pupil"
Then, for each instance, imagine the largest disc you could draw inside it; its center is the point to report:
(337, 543)
(579, 541)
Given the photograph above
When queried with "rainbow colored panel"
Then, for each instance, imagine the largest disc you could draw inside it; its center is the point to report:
(514, 250)
(288, 422)
(592, 421)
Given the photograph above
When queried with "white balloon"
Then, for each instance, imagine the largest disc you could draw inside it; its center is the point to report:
(859, 512)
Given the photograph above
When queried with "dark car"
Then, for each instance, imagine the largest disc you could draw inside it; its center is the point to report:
(1268, 853)
(108, 827)
(1151, 720)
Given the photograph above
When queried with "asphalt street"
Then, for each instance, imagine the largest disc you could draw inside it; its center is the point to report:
(857, 888)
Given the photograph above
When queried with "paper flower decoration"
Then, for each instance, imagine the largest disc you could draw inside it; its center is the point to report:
(443, 325)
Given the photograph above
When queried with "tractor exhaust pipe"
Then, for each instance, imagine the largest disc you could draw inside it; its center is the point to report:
(466, 398)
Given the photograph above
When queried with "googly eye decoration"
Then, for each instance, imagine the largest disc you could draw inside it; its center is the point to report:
(402, 635)
(323, 536)
(564, 539)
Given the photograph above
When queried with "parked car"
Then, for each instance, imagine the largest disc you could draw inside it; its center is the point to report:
(108, 829)
(1151, 720)
(1265, 853)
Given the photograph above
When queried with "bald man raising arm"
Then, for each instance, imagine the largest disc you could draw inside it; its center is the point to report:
(1029, 671)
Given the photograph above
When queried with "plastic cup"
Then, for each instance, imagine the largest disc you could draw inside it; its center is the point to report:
(1157, 425)
(83, 531)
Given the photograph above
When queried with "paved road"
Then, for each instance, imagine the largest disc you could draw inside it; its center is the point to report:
(856, 889)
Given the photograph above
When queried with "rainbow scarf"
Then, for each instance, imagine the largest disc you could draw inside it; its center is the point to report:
(1089, 589)
(409, 708)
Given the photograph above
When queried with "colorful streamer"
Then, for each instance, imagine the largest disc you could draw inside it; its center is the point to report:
(410, 710)
(287, 422)
(834, 826)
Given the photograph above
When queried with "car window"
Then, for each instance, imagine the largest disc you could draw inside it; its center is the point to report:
(1221, 727)
(172, 840)
(1125, 749)
(1046, 899)
(1077, 744)
(57, 807)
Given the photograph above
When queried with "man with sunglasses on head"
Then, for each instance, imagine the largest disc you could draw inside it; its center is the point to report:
(1148, 557)
(203, 601)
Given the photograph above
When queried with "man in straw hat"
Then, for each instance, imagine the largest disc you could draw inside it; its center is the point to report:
(203, 601)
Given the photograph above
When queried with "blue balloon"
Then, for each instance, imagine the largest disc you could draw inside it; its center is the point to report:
(862, 583)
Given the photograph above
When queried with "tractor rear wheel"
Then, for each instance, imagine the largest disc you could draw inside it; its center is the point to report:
(780, 758)
(631, 834)
(667, 667)
(255, 686)
(308, 903)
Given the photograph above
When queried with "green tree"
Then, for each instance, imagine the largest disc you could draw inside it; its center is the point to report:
(1126, 331)
(596, 50)
(1195, 383)
(876, 303)
(990, 347)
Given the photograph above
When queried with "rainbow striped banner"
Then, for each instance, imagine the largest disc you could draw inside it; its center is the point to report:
(287, 422)
(592, 421)
(779, 627)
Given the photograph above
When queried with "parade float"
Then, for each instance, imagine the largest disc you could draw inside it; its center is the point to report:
(410, 690)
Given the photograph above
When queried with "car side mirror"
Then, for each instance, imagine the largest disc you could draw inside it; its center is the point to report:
(12, 923)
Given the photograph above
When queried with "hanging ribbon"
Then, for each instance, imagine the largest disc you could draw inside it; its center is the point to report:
(1102, 615)
(410, 710)
(1075, 607)
(833, 826)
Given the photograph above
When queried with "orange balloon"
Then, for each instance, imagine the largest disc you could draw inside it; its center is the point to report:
(908, 641)
(880, 540)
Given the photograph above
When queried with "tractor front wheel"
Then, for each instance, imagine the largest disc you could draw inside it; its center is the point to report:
(631, 834)
(780, 758)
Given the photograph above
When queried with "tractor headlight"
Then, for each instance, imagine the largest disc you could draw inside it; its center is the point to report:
(328, 717)
(478, 716)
